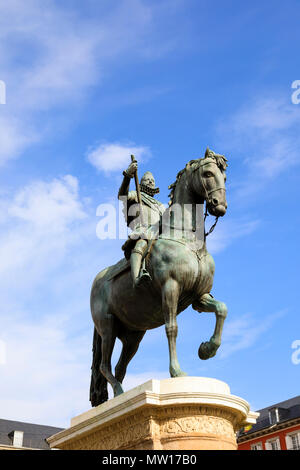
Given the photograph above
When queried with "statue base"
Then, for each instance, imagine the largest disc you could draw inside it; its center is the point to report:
(184, 413)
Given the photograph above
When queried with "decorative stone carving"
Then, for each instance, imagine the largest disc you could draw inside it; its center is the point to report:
(187, 413)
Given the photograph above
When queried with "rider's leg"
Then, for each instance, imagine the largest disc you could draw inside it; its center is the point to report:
(136, 260)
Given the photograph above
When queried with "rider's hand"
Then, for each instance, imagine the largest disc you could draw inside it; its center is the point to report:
(131, 169)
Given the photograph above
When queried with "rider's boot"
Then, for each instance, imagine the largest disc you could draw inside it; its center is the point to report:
(139, 276)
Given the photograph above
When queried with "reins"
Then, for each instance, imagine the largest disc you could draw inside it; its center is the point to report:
(207, 194)
(214, 224)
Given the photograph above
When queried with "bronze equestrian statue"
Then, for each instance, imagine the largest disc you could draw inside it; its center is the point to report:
(180, 271)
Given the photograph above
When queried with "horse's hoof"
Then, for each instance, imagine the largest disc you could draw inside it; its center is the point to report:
(207, 350)
(181, 374)
(118, 390)
(177, 373)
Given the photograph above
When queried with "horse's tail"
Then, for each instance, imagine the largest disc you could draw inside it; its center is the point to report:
(98, 387)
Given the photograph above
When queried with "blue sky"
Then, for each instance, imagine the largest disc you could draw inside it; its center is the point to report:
(167, 79)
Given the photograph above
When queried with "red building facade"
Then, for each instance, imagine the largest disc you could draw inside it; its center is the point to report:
(277, 428)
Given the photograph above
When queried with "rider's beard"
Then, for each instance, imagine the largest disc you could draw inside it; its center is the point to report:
(148, 190)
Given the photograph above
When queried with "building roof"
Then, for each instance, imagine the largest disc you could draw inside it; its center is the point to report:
(286, 411)
(34, 434)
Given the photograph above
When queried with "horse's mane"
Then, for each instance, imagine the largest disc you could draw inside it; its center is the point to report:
(220, 160)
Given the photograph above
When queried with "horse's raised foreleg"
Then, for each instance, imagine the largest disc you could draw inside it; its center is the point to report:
(208, 304)
(131, 341)
(170, 295)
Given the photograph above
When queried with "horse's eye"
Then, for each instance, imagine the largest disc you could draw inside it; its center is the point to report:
(208, 174)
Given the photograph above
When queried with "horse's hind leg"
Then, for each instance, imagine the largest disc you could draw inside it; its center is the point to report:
(207, 303)
(131, 340)
(109, 333)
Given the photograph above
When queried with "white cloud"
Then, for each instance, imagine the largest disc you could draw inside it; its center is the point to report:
(45, 379)
(114, 156)
(226, 232)
(49, 205)
(43, 220)
(265, 135)
(15, 136)
(48, 60)
(54, 54)
(46, 376)
(265, 115)
(243, 332)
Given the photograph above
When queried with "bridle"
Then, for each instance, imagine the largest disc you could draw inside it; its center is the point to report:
(207, 196)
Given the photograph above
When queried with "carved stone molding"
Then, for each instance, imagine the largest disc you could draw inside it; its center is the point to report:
(160, 416)
(160, 425)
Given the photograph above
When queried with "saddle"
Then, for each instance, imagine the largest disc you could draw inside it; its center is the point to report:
(124, 264)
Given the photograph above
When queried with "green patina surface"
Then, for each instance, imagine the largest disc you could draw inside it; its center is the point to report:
(161, 277)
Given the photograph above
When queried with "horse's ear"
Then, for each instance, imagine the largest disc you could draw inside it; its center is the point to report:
(207, 152)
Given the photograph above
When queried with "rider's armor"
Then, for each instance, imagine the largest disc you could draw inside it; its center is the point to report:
(144, 226)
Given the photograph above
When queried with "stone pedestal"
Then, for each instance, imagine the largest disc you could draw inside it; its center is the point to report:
(185, 413)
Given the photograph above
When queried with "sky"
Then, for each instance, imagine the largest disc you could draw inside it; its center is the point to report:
(85, 85)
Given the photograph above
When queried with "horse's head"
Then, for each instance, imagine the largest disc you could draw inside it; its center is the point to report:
(209, 181)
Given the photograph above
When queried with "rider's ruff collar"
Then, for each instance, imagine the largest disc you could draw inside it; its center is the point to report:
(148, 190)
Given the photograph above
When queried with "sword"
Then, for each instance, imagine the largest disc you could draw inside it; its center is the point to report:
(138, 191)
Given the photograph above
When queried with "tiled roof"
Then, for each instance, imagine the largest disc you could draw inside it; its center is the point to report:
(287, 410)
(34, 434)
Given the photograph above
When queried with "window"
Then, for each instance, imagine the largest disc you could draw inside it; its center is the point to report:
(273, 444)
(293, 441)
(257, 446)
(273, 415)
(16, 438)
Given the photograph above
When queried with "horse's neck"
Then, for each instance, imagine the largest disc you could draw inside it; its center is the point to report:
(184, 198)
(183, 193)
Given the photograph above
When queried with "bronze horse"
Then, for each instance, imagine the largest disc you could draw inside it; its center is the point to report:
(182, 275)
